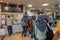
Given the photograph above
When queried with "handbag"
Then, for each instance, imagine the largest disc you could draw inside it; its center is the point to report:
(49, 33)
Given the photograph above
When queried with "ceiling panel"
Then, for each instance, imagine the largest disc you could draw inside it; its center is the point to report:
(35, 3)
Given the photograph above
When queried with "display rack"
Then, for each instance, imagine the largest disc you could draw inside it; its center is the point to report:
(11, 8)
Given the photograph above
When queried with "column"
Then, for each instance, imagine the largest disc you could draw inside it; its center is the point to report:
(0, 15)
(0, 19)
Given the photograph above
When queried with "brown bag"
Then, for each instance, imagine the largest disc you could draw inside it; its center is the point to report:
(57, 36)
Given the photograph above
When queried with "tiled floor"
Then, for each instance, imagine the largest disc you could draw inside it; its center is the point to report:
(13, 37)
(18, 36)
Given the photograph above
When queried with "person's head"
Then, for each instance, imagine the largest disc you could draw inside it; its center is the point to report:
(39, 12)
(25, 13)
(8, 16)
(42, 12)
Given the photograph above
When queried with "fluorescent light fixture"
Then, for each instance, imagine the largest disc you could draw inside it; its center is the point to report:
(29, 5)
(46, 4)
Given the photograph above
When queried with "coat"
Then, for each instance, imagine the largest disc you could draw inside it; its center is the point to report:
(25, 21)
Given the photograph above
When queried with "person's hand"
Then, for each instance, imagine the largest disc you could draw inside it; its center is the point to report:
(59, 39)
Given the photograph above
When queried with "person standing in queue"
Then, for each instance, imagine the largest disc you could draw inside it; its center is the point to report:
(51, 20)
(40, 28)
(31, 28)
(9, 25)
(34, 23)
(25, 24)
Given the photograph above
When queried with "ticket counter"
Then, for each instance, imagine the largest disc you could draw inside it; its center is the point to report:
(16, 22)
(15, 29)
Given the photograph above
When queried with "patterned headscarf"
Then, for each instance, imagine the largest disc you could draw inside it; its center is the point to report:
(41, 25)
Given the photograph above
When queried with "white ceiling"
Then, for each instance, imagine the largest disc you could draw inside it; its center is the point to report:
(35, 3)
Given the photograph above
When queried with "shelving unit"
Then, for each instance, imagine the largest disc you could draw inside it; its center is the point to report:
(11, 8)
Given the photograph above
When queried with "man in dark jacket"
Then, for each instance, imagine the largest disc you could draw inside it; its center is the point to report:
(25, 24)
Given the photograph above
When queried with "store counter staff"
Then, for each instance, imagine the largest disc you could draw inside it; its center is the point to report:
(9, 25)
(57, 34)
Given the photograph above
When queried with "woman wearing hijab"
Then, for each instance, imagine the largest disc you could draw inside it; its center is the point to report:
(25, 24)
(40, 28)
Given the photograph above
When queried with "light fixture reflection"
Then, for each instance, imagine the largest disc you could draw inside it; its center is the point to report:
(29, 5)
(46, 4)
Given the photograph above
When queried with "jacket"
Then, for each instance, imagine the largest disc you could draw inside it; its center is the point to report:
(22, 23)
(25, 19)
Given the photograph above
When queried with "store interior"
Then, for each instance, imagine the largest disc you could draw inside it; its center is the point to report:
(16, 9)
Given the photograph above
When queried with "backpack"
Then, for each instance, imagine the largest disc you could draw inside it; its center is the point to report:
(31, 28)
(49, 33)
(30, 22)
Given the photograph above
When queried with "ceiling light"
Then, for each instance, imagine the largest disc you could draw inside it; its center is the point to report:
(46, 4)
(29, 5)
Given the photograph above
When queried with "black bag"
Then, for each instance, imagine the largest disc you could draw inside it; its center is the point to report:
(49, 33)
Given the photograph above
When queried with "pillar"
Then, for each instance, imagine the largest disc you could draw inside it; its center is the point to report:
(0, 15)
(0, 19)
